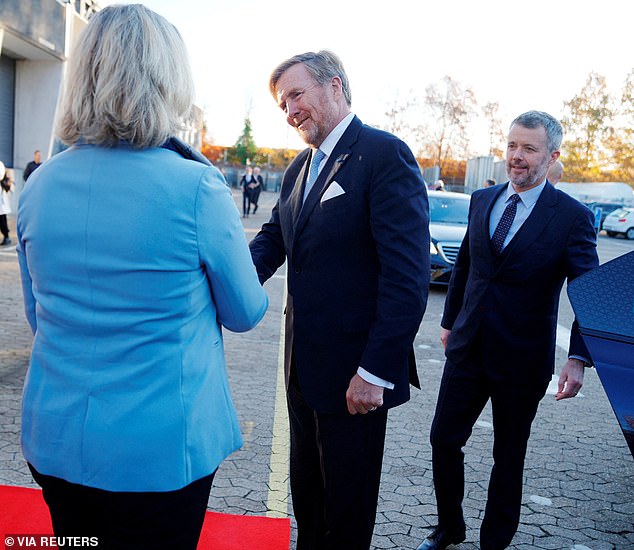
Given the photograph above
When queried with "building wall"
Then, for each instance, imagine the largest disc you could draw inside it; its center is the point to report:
(7, 107)
(37, 91)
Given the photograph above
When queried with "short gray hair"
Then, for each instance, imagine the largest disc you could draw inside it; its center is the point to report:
(322, 65)
(537, 119)
(129, 79)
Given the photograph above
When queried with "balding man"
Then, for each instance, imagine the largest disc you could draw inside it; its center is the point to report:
(555, 172)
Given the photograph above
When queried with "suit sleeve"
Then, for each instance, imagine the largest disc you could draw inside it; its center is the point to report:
(399, 214)
(267, 247)
(240, 299)
(581, 256)
(30, 303)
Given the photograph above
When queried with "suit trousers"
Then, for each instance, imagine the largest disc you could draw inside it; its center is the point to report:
(335, 468)
(246, 202)
(464, 391)
(4, 226)
(170, 520)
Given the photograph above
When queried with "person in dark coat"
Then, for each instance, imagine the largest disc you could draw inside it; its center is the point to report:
(351, 222)
(256, 188)
(246, 183)
(33, 165)
(524, 239)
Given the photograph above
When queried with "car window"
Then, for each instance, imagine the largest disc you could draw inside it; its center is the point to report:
(448, 210)
(621, 213)
(606, 207)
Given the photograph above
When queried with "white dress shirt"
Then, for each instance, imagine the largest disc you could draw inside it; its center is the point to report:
(525, 206)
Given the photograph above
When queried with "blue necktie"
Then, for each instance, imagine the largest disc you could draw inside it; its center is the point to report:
(313, 171)
(502, 229)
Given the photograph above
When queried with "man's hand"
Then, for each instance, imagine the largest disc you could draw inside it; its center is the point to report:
(570, 379)
(444, 336)
(363, 397)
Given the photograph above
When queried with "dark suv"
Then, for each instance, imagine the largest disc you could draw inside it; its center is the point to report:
(448, 213)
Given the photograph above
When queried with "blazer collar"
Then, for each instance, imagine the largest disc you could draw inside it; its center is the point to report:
(335, 161)
(297, 193)
(542, 213)
(492, 198)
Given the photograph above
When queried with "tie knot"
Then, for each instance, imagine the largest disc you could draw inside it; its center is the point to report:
(514, 198)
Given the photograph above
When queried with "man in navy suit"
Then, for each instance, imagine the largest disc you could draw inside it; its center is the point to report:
(499, 326)
(352, 224)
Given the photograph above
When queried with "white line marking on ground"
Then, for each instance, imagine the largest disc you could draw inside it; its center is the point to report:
(563, 340)
(563, 337)
(277, 500)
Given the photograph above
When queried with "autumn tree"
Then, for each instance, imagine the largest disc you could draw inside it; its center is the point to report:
(621, 143)
(496, 135)
(399, 116)
(449, 108)
(587, 126)
(245, 149)
(275, 158)
(215, 153)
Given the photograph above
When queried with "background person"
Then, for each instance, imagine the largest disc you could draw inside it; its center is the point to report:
(256, 188)
(6, 188)
(523, 240)
(439, 185)
(555, 172)
(246, 183)
(489, 182)
(33, 165)
(127, 411)
(350, 224)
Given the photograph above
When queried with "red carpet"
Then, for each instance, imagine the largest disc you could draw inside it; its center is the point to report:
(24, 512)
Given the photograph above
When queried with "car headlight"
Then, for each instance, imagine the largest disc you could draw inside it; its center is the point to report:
(432, 248)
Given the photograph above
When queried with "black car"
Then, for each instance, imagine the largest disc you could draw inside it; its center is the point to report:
(448, 213)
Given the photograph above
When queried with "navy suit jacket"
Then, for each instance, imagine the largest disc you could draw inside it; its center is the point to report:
(507, 305)
(358, 265)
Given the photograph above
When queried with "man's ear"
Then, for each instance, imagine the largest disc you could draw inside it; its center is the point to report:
(337, 86)
(553, 158)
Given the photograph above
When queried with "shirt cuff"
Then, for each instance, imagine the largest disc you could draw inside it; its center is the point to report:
(368, 377)
(586, 362)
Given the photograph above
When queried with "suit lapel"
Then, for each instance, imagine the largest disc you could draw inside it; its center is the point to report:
(542, 213)
(486, 250)
(298, 190)
(335, 161)
(290, 201)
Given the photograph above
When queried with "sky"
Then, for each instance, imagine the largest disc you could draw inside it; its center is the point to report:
(522, 54)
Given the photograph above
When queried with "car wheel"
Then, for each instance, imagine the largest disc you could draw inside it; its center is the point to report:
(630, 233)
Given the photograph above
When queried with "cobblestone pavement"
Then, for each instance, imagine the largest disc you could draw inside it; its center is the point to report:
(579, 482)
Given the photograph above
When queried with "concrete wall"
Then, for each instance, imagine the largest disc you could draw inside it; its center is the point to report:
(37, 90)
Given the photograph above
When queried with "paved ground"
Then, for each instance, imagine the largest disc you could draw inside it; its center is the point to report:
(579, 490)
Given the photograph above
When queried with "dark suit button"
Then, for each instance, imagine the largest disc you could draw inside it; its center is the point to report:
(298, 270)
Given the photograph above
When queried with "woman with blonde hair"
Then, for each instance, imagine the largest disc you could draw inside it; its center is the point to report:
(132, 258)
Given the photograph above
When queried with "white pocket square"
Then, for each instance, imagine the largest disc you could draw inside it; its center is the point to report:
(334, 190)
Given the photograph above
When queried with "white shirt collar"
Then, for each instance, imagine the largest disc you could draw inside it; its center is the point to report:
(528, 198)
(333, 137)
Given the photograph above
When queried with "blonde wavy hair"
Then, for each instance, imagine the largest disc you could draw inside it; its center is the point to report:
(128, 79)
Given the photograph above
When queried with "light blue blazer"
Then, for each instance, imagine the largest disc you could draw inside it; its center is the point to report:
(131, 261)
